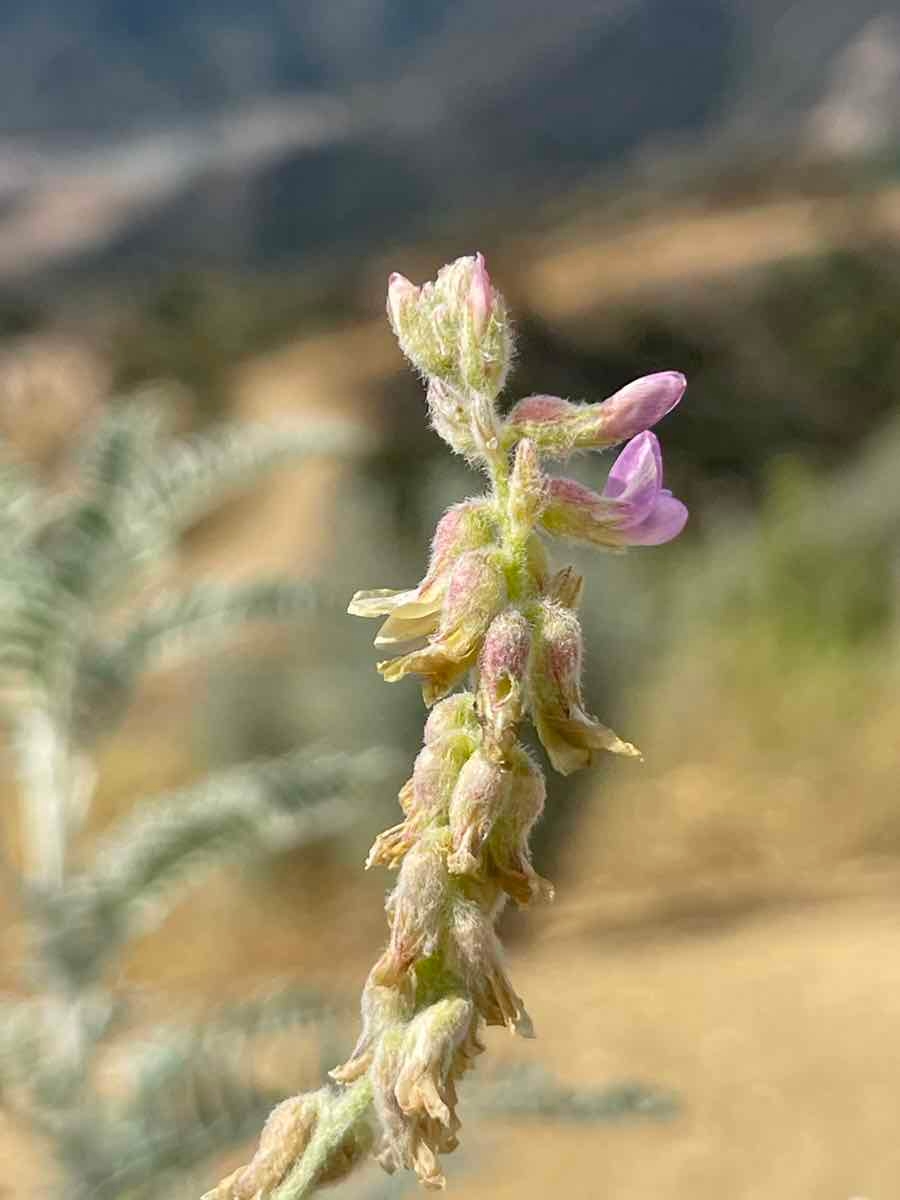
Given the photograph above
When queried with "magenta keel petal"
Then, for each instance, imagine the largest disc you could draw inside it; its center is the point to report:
(665, 522)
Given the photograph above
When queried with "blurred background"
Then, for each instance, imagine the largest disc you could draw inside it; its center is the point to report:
(211, 194)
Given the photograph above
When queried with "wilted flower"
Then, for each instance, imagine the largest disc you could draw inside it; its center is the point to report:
(477, 590)
(479, 798)
(382, 1008)
(571, 737)
(413, 1079)
(425, 798)
(476, 954)
(416, 612)
(508, 841)
(559, 427)
(634, 509)
(416, 908)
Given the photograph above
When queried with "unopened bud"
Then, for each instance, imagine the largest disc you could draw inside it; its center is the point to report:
(454, 329)
(481, 297)
(527, 486)
(400, 296)
(450, 718)
(559, 427)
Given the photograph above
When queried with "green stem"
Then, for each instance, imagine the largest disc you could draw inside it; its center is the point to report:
(349, 1110)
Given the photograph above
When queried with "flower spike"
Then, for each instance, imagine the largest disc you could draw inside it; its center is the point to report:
(491, 614)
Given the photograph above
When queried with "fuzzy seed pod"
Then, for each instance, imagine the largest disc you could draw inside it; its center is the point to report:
(502, 681)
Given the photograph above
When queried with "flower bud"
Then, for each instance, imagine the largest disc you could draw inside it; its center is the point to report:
(502, 675)
(571, 737)
(481, 297)
(452, 717)
(477, 590)
(401, 296)
(634, 508)
(559, 427)
(527, 487)
(454, 329)
(478, 800)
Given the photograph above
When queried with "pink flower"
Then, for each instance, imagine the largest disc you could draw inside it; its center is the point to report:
(634, 509)
(559, 427)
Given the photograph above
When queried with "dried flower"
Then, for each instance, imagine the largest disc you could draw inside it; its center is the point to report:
(508, 842)
(476, 591)
(416, 613)
(478, 800)
(571, 737)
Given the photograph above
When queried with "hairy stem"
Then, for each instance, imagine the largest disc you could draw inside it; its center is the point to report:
(349, 1110)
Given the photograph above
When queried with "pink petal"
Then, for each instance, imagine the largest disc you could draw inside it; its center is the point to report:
(641, 403)
(666, 520)
(636, 477)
